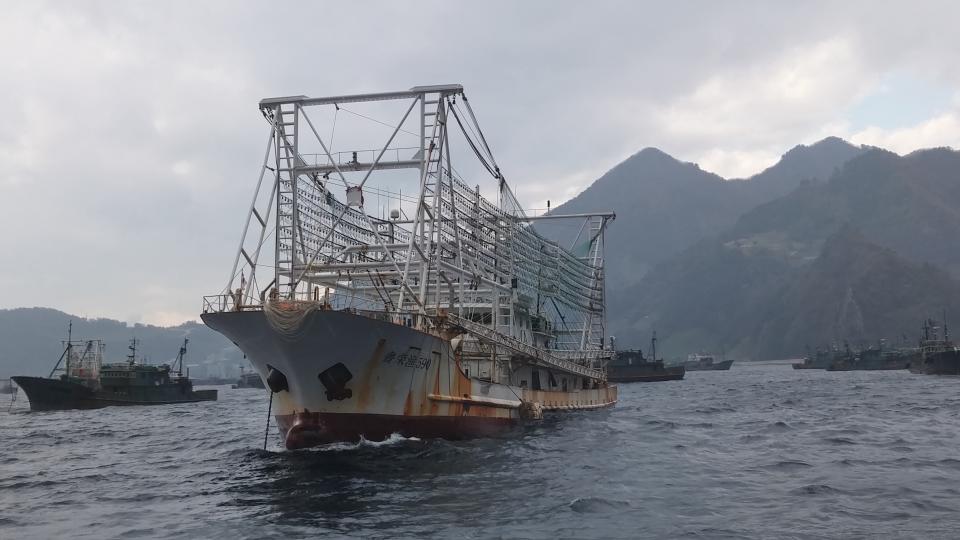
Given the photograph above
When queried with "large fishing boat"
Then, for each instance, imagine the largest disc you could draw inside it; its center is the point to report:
(431, 311)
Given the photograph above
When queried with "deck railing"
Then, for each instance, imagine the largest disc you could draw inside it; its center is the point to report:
(572, 361)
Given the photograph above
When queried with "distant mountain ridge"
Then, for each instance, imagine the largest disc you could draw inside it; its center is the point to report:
(30, 342)
(663, 205)
(740, 289)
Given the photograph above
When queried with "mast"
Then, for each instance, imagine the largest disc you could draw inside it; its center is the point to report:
(65, 353)
(653, 345)
(132, 357)
(180, 355)
(946, 332)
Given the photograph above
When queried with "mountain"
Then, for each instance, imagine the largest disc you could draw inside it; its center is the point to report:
(30, 342)
(664, 205)
(814, 163)
(855, 291)
(862, 256)
(910, 204)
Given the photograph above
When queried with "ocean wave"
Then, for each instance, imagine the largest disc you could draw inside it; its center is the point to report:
(593, 505)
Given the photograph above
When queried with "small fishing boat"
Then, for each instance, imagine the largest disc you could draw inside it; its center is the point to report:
(631, 366)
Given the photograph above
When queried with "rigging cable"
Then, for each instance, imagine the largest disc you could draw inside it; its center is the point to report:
(333, 130)
(379, 122)
(473, 146)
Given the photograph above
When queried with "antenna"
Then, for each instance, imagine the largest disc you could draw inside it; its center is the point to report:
(132, 357)
(946, 332)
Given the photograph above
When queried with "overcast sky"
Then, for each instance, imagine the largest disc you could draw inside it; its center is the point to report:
(131, 140)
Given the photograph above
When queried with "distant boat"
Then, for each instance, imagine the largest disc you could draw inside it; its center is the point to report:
(821, 360)
(938, 354)
(881, 358)
(631, 366)
(705, 362)
(842, 360)
(875, 358)
(249, 379)
(87, 383)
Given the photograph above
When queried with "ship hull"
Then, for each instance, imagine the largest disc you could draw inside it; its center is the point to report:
(54, 394)
(349, 377)
(626, 375)
(59, 395)
(717, 366)
(941, 363)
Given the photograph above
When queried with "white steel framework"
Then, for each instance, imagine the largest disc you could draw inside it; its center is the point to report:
(457, 253)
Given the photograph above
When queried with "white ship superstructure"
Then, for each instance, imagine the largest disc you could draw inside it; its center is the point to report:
(375, 302)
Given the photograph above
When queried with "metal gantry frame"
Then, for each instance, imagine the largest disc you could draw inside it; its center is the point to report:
(457, 252)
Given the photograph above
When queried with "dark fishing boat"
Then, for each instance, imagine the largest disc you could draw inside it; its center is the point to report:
(842, 360)
(86, 383)
(820, 360)
(938, 354)
(882, 358)
(705, 362)
(631, 366)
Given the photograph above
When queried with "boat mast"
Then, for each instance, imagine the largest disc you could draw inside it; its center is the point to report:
(65, 353)
(183, 351)
(132, 357)
(653, 345)
(946, 331)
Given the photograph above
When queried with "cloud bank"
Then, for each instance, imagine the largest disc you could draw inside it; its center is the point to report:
(131, 139)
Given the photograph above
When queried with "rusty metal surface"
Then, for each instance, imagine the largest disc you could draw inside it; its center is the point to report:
(341, 365)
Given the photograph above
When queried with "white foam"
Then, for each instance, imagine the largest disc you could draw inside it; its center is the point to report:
(392, 440)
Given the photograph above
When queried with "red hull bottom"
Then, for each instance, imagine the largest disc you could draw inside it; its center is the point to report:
(306, 429)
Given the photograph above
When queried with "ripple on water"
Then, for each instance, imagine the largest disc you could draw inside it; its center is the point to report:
(778, 427)
(816, 489)
(951, 463)
(840, 441)
(788, 465)
(662, 424)
(596, 505)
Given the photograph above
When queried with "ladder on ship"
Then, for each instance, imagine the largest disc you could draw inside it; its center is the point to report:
(287, 162)
(594, 327)
(432, 134)
(506, 300)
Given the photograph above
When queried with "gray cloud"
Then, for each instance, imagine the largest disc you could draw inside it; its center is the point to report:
(131, 138)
